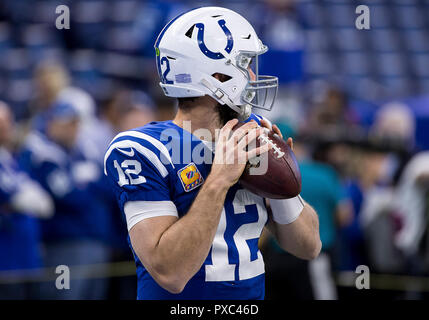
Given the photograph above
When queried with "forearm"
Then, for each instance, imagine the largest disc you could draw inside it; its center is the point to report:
(184, 246)
(31, 199)
(301, 237)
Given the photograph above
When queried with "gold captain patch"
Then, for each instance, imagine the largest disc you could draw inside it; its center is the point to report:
(190, 177)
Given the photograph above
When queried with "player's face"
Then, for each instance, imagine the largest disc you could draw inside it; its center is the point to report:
(64, 132)
(251, 73)
(260, 91)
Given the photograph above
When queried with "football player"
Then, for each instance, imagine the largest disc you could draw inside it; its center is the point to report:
(192, 228)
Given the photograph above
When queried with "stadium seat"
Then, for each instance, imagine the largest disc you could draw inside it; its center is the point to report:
(384, 40)
(416, 40)
(341, 15)
(420, 64)
(348, 39)
(318, 64)
(409, 17)
(355, 63)
(390, 64)
(380, 16)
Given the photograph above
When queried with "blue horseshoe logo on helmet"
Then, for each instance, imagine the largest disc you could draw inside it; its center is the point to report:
(202, 45)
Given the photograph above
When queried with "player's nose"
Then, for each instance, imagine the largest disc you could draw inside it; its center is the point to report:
(252, 74)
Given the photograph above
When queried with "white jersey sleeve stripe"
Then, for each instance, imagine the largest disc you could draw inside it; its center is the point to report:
(136, 211)
(156, 143)
(152, 157)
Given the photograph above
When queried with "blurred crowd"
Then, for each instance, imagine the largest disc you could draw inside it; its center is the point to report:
(53, 189)
(369, 188)
(65, 94)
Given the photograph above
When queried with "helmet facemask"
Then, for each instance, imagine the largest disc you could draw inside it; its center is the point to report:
(261, 92)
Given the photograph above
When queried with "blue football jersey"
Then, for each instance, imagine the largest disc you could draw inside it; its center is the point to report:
(163, 163)
(76, 185)
(19, 231)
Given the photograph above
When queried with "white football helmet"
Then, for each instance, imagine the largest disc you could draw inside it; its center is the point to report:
(202, 42)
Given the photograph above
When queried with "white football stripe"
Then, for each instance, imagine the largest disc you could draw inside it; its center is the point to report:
(143, 150)
(156, 143)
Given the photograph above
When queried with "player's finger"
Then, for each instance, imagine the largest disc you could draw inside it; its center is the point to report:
(225, 132)
(277, 130)
(265, 124)
(258, 151)
(249, 138)
(243, 130)
(229, 125)
(290, 143)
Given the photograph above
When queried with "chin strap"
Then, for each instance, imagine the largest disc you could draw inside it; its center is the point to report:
(244, 111)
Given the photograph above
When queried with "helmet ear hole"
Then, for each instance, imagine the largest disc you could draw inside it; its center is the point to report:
(221, 77)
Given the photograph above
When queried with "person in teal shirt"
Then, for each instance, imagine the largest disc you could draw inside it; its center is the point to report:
(321, 188)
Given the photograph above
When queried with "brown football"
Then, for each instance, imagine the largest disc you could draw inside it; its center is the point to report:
(279, 177)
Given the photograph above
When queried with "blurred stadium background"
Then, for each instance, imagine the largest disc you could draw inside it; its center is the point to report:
(355, 101)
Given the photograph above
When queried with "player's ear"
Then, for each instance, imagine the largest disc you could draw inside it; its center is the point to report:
(221, 77)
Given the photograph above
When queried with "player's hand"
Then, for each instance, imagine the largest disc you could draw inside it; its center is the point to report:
(266, 124)
(231, 153)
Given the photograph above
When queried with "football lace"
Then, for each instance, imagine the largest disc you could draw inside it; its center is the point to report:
(276, 150)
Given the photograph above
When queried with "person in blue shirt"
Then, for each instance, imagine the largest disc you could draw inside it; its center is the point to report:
(78, 231)
(22, 202)
(192, 227)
